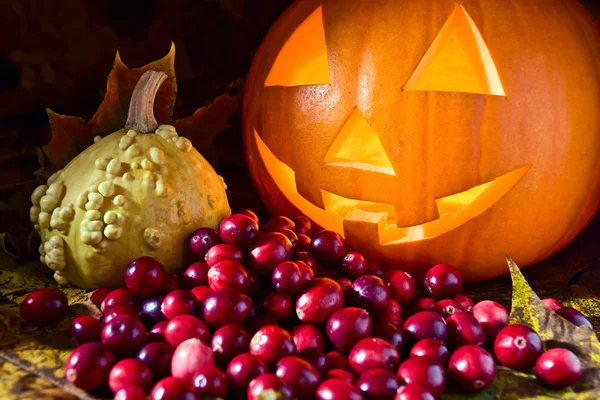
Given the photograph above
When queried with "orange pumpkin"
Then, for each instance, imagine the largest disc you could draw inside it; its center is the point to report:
(431, 131)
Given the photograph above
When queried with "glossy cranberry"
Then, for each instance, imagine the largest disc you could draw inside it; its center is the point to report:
(278, 222)
(291, 235)
(125, 334)
(238, 230)
(44, 307)
(337, 389)
(201, 292)
(471, 369)
(300, 375)
(431, 348)
(150, 312)
(130, 392)
(287, 278)
(226, 307)
(242, 369)
(210, 381)
(317, 359)
(391, 334)
(346, 285)
(318, 300)
(443, 281)
(119, 297)
(347, 326)
(221, 252)
(337, 360)
(268, 382)
(303, 243)
(278, 304)
(229, 274)
(373, 353)
(130, 371)
(195, 275)
(171, 283)
(553, 304)
(371, 293)
(342, 374)
(307, 258)
(253, 324)
(271, 343)
(302, 225)
(249, 213)
(228, 341)
(424, 325)
(558, 368)
(157, 356)
(98, 295)
(306, 271)
(202, 240)
(328, 247)
(518, 347)
(179, 302)
(448, 307)
(353, 265)
(172, 389)
(423, 371)
(144, 276)
(492, 317)
(393, 308)
(306, 336)
(465, 301)
(376, 269)
(157, 333)
(464, 329)
(184, 327)
(574, 316)
(88, 366)
(378, 384)
(413, 392)
(422, 304)
(120, 310)
(189, 357)
(86, 329)
(269, 251)
(395, 320)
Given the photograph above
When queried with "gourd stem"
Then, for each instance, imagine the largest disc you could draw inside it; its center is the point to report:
(141, 107)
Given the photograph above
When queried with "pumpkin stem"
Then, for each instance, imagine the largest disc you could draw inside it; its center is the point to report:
(141, 107)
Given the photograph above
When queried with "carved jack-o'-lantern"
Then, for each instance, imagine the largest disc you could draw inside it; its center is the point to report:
(431, 131)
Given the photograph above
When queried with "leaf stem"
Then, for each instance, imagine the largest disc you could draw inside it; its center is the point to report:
(141, 107)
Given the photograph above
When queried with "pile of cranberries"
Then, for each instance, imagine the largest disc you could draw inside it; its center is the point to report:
(275, 307)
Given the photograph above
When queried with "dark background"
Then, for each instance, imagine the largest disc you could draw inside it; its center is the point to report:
(58, 54)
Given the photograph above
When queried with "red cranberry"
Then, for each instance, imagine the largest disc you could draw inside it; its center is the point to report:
(448, 307)
(302, 225)
(390, 333)
(413, 392)
(157, 356)
(195, 275)
(150, 312)
(471, 369)
(464, 329)
(221, 252)
(157, 333)
(179, 302)
(328, 247)
(201, 292)
(184, 327)
(268, 382)
(553, 304)
(422, 304)
(278, 304)
(346, 285)
(492, 317)
(228, 341)
(130, 371)
(423, 371)
(98, 295)
(88, 366)
(373, 353)
(203, 240)
(316, 358)
(306, 336)
(424, 325)
(253, 324)
(287, 278)
(574, 316)
(353, 265)
(170, 284)
(119, 297)
(347, 326)
(518, 347)
(120, 310)
(189, 357)
(300, 375)
(337, 360)
(443, 281)
(86, 329)
(303, 243)
(374, 268)
(401, 285)
(371, 293)
(125, 334)
(378, 384)
(44, 307)
(226, 307)
(210, 381)
(249, 213)
(337, 389)
(269, 251)
(293, 238)
(342, 374)
(243, 368)
(172, 389)
(393, 308)
(229, 274)
(278, 222)
(558, 368)
(271, 343)
(130, 392)
(307, 258)
(465, 301)
(239, 230)
(431, 348)
(307, 273)
(144, 276)
(321, 298)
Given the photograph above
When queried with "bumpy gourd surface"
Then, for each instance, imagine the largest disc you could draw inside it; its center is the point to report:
(125, 196)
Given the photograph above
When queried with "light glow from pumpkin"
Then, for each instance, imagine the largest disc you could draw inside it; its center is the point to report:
(457, 61)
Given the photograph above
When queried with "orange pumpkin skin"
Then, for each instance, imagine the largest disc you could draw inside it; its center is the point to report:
(439, 143)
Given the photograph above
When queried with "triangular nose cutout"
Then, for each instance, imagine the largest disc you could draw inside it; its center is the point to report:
(457, 61)
(358, 146)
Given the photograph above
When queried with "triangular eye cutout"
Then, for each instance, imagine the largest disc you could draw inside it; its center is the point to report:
(457, 61)
(303, 58)
(358, 146)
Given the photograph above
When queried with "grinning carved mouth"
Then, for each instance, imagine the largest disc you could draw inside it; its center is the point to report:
(454, 210)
